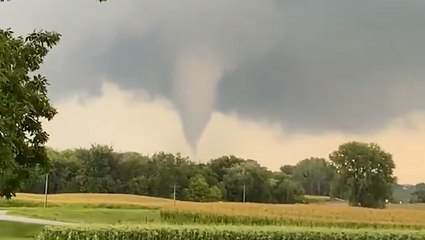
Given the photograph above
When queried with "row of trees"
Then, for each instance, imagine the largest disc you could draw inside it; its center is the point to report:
(101, 170)
(358, 172)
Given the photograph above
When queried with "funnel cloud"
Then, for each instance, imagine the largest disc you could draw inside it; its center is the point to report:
(196, 79)
(311, 67)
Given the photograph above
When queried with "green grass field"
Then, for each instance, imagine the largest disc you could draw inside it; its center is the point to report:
(18, 231)
(21, 231)
(95, 215)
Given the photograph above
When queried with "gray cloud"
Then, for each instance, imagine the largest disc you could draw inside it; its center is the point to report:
(311, 65)
(342, 66)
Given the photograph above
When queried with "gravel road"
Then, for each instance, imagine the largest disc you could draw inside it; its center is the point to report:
(10, 218)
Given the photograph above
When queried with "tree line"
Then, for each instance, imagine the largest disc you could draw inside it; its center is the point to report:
(101, 170)
(358, 172)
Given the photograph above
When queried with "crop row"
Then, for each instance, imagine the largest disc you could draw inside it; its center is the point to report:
(186, 217)
(392, 216)
(219, 233)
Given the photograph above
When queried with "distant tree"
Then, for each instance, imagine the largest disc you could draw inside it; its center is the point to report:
(130, 173)
(208, 173)
(166, 170)
(338, 189)
(402, 193)
(420, 187)
(63, 170)
(199, 191)
(288, 191)
(139, 185)
(287, 169)
(23, 105)
(214, 194)
(315, 175)
(94, 175)
(366, 173)
(418, 196)
(234, 181)
(255, 178)
(221, 166)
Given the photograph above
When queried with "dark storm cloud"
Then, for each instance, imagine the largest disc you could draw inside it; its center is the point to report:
(341, 65)
(344, 65)
(138, 62)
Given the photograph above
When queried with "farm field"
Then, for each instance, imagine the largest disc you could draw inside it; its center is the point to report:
(128, 213)
(338, 212)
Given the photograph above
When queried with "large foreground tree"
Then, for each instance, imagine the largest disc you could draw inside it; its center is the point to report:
(23, 106)
(364, 173)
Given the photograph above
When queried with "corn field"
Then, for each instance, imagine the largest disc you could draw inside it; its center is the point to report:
(310, 213)
(253, 213)
(220, 233)
(185, 217)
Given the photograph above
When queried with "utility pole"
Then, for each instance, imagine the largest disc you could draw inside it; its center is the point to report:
(174, 196)
(244, 184)
(46, 189)
(175, 186)
(244, 192)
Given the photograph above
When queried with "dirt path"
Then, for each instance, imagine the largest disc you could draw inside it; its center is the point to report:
(10, 218)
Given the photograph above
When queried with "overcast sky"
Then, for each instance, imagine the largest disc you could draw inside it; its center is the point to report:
(276, 81)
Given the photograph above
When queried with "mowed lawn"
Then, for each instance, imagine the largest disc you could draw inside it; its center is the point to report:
(90, 215)
(22, 231)
(18, 231)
